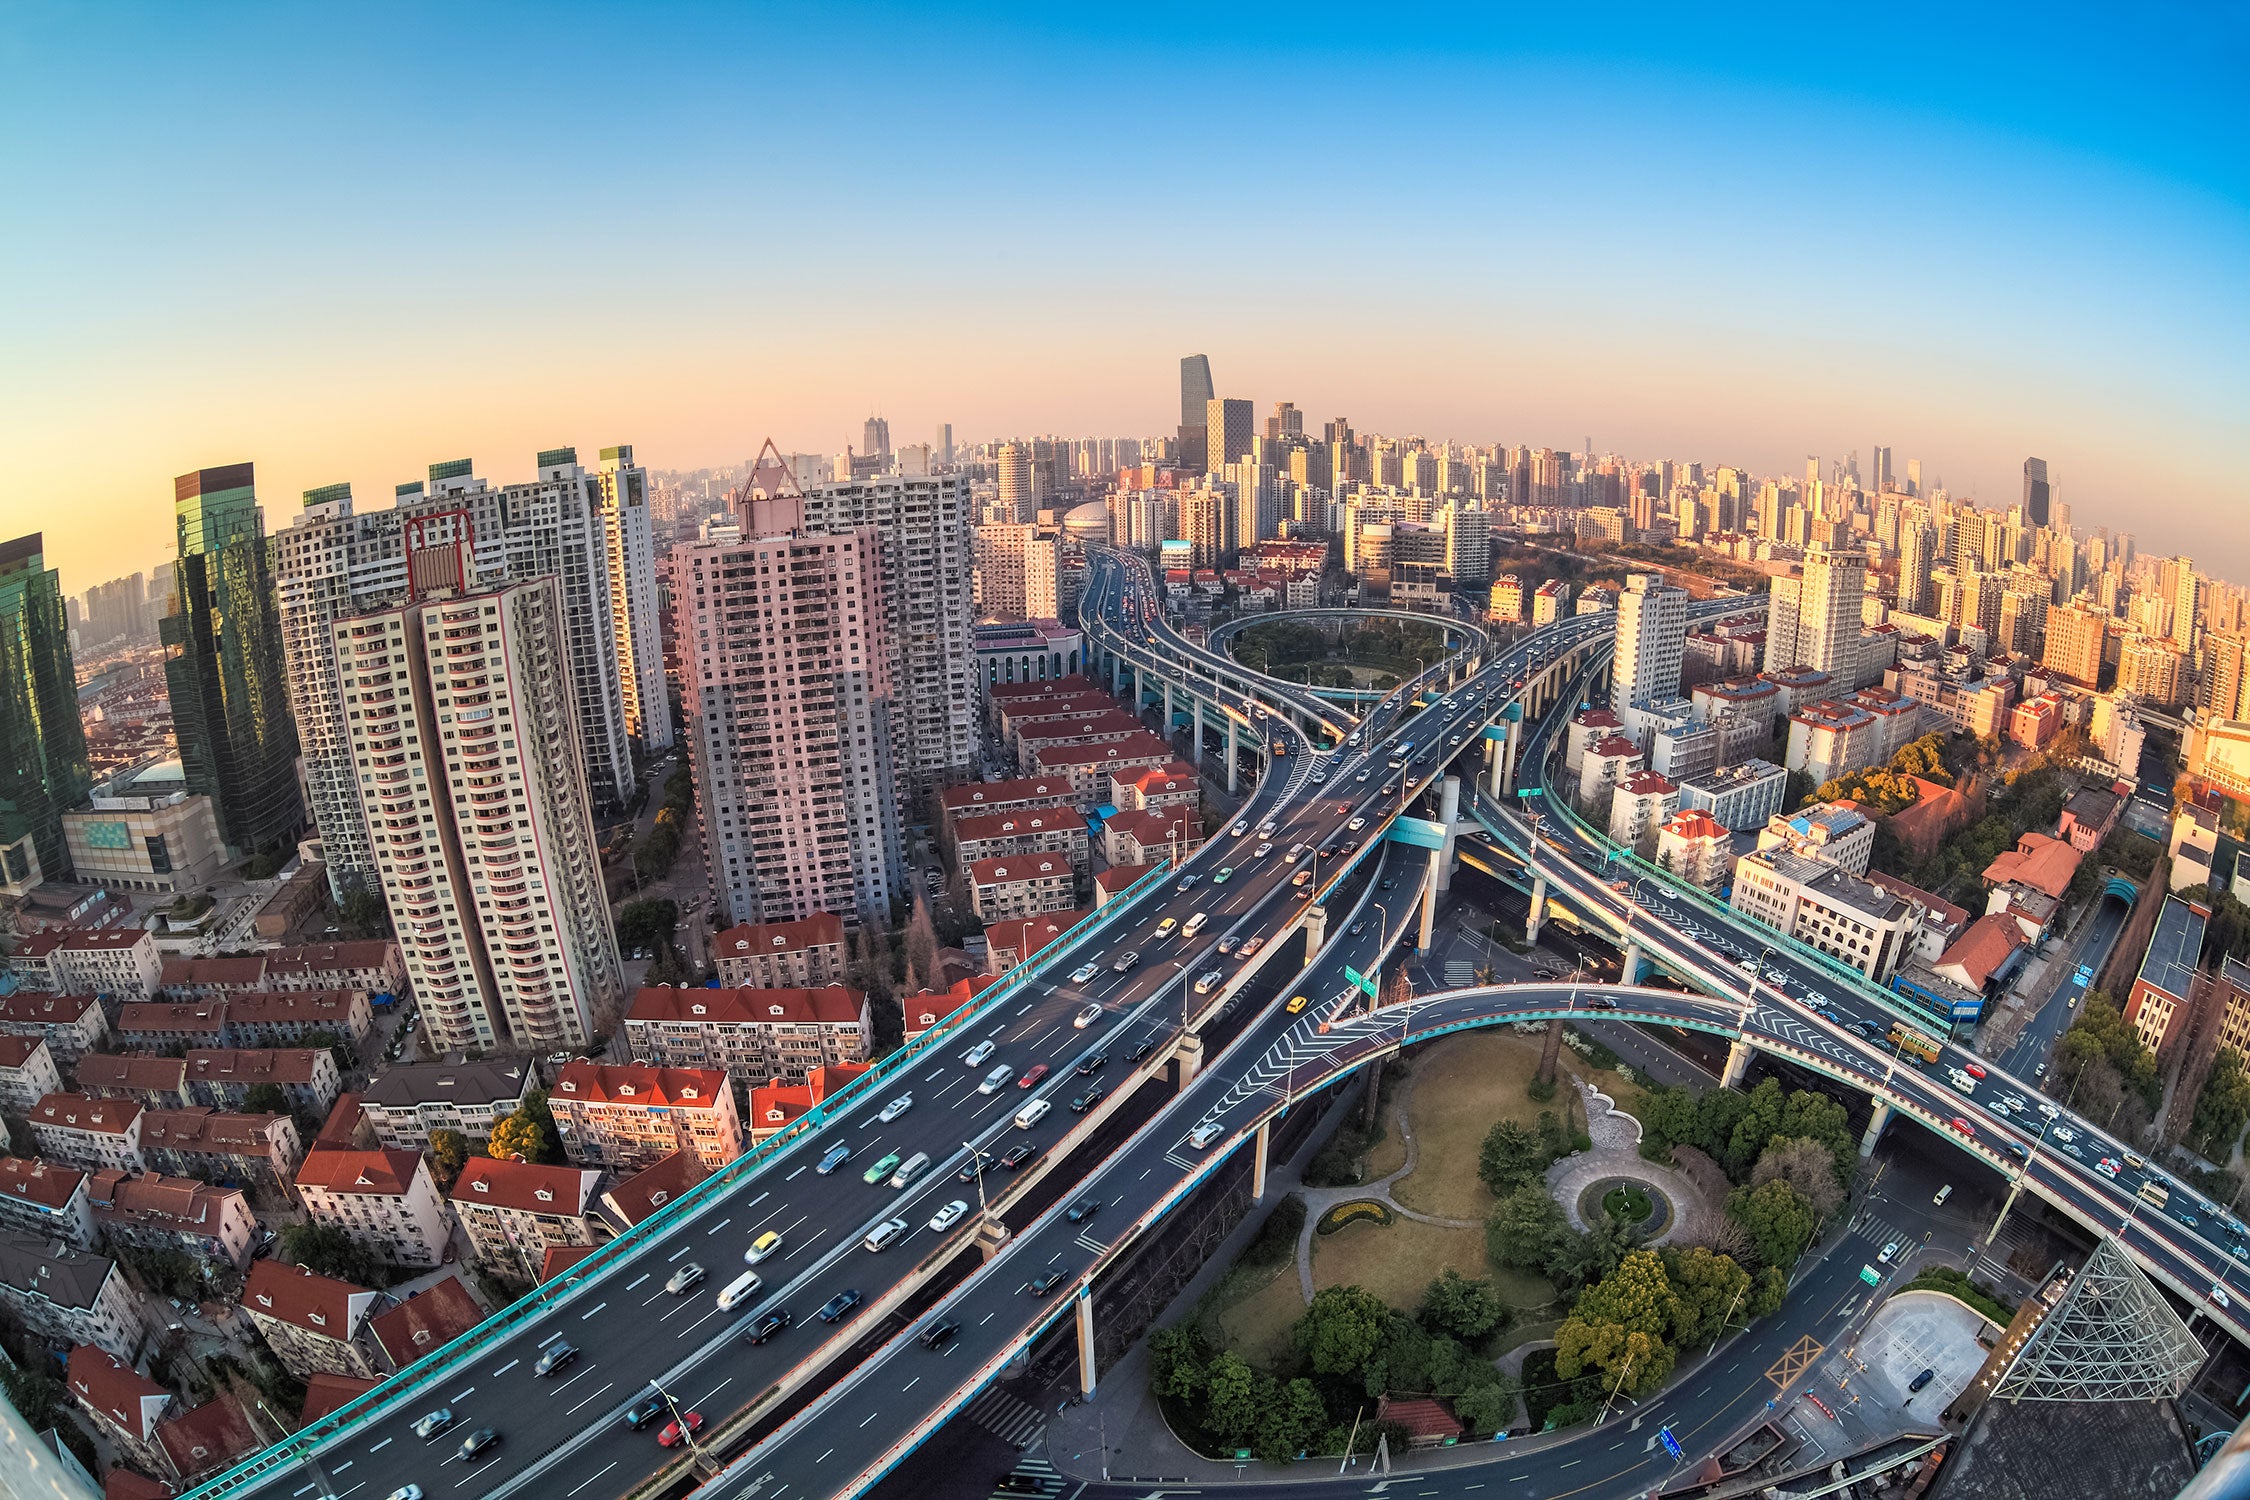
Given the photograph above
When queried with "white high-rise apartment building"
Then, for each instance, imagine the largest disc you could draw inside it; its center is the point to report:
(1651, 639)
(1017, 571)
(1813, 620)
(334, 562)
(922, 526)
(459, 714)
(631, 541)
(1014, 463)
(787, 674)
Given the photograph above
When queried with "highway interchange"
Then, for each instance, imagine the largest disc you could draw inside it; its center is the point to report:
(633, 1333)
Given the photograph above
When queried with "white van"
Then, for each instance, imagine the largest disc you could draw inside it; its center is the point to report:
(738, 1291)
(883, 1233)
(910, 1169)
(996, 1080)
(1194, 924)
(1032, 1113)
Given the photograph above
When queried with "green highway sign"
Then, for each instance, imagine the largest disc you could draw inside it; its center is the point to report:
(1366, 982)
(1870, 1275)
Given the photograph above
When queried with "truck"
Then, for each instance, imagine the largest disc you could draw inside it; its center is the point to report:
(1912, 1043)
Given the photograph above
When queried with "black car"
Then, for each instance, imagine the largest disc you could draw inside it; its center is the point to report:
(1141, 1051)
(1920, 1380)
(1359, 927)
(1388, 882)
(1042, 1285)
(970, 1168)
(769, 1325)
(1092, 1062)
(1018, 1155)
(644, 1411)
(556, 1357)
(1082, 1210)
(1088, 1100)
(1603, 1002)
(478, 1443)
(837, 1306)
(939, 1334)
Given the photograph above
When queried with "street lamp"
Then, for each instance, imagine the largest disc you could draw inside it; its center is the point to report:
(976, 1164)
(679, 1420)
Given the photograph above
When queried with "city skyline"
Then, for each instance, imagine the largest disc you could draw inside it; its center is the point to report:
(1753, 243)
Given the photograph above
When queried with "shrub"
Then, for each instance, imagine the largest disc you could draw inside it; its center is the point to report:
(1357, 1208)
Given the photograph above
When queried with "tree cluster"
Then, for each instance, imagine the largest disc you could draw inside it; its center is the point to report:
(654, 855)
(1734, 1129)
(2221, 1109)
(2104, 1068)
(1625, 1332)
(1890, 788)
(646, 923)
(328, 1250)
(527, 1135)
(1347, 1349)
(1515, 1154)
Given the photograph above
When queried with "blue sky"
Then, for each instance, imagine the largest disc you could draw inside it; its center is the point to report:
(342, 243)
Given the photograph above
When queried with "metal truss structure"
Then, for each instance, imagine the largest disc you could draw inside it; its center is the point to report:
(2113, 1337)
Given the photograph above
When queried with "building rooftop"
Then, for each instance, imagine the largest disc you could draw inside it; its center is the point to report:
(81, 1112)
(253, 1065)
(646, 1191)
(209, 1438)
(284, 1007)
(48, 1184)
(976, 794)
(1647, 784)
(635, 1084)
(1978, 953)
(1735, 777)
(206, 1016)
(1946, 913)
(325, 1393)
(123, 1395)
(1019, 822)
(526, 1187)
(379, 1173)
(39, 1008)
(187, 1205)
(1018, 867)
(479, 1084)
(829, 1005)
(2043, 863)
(821, 930)
(306, 1299)
(15, 1051)
(202, 1128)
(1834, 884)
(136, 1072)
(2175, 947)
(103, 939)
(1695, 823)
(52, 1270)
(322, 958)
(427, 1321)
(225, 973)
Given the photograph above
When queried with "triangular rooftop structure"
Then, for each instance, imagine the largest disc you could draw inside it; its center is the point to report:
(2113, 1337)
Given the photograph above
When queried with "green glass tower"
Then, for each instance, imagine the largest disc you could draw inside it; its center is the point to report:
(223, 666)
(43, 770)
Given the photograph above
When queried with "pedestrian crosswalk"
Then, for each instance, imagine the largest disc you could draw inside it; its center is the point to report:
(1880, 1231)
(1031, 1476)
(1009, 1418)
(1460, 973)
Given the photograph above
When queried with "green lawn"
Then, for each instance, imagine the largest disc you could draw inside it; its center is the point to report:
(1397, 1262)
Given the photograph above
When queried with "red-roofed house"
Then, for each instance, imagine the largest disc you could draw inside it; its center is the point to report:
(1174, 784)
(1021, 887)
(1608, 761)
(1009, 943)
(45, 1199)
(1146, 836)
(315, 1323)
(210, 978)
(71, 1025)
(929, 1007)
(203, 1142)
(173, 1213)
(372, 966)
(2042, 863)
(749, 1034)
(1089, 767)
(284, 1018)
(126, 1405)
(1427, 1421)
(978, 797)
(779, 955)
(119, 962)
(325, 1393)
(1007, 835)
(559, 1259)
(152, 1025)
(639, 1196)
(1639, 806)
(1117, 879)
(387, 1200)
(513, 1211)
(1113, 726)
(306, 1076)
(427, 1321)
(157, 1082)
(776, 1105)
(27, 1073)
(1694, 846)
(1982, 954)
(212, 1437)
(82, 1131)
(121, 1483)
(632, 1115)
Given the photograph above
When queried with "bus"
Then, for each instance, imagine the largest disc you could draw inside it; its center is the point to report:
(2155, 1192)
(1913, 1043)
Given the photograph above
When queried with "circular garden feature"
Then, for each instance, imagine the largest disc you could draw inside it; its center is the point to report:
(1641, 1206)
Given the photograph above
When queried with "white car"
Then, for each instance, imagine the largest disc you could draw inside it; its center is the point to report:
(1266, 829)
(883, 1233)
(1241, 828)
(2050, 1111)
(977, 1054)
(2063, 1133)
(2107, 1166)
(1890, 1253)
(1262, 850)
(1356, 824)
(1667, 893)
(1084, 972)
(1208, 981)
(996, 1080)
(896, 1107)
(1204, 1134)
(2219, 1295)
(1362, 776)
(1086, 1017)
(950, 1215)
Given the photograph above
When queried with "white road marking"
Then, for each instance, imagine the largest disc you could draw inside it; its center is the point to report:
(581, 1401)
(675, 1255)
(465, 1394)
(636, 1281)
(793, 1176)
(597, 1307)
(591, 1478)
(723, 1223)
(705, 1398)
(902, 1390)
(340, 1468)
(385, 1443)
(566, 1385)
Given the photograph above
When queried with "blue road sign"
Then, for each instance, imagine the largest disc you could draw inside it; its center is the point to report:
(1671, 1443)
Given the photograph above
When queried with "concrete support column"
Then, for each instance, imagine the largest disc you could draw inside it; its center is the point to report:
(1738, 1064)
(1631, 972)
(1086, 1342)
(1538, 908)
(1195, 706)
(1493, 770)
(1167, 708)
(991, 1235)
(1875, 1124)
(1316, 926)
(1258, 1147)
(1449, 813)
(1429, 902)
(1188, 1057)
(1513, 744)
(1233, 762)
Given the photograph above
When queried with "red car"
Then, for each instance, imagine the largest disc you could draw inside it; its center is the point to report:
(1972, 1070)
(671, 1436)
(1031, 1076)
(1964, 1127)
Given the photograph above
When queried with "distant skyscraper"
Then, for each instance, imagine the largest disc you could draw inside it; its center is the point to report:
(790, 718)
(941, 450)
(876, 440)
(1196, 395)
(43, 769)
(629, 531)
(2187, 604)
(1015, 481)
(1914, 476)
(2072, 643)
(2035, 492)
(1228, 423)
(224, 669)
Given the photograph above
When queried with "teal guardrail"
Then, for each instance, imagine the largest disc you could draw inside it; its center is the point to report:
(441, 1363)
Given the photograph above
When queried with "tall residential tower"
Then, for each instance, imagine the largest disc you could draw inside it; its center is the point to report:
(43, 768)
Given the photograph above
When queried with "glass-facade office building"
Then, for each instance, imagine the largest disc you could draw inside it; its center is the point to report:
(223, 664)
(43, 767)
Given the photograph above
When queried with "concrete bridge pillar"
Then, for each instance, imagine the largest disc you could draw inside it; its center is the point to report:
(1513, 744)
(1116, 674)
(1195, 707)
(1233, 763)
(1631, 972)
(1086, 1374)
(1167, 708)
(1316, 927)
(991, 1235)
(1538, 908)
(1258, 1147)
(1738, 1063)
(1492, 769)
(1449, 813)
(1429, 902)
(1187, 1059)
(1874, 1133)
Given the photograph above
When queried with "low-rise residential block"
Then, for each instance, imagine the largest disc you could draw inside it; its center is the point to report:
(81, 1131)
(385, 1199)
(404, 1103)
(782, 955)
(631, 1116)
(199, 1141)
(45, 1198)
(27, 1073)
(70, 1025)
(157, 1082)
(69, 1296)
(315, 1324)
(515, 1211)
(173, 1213)
(222, 1076)
(749, 1034)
